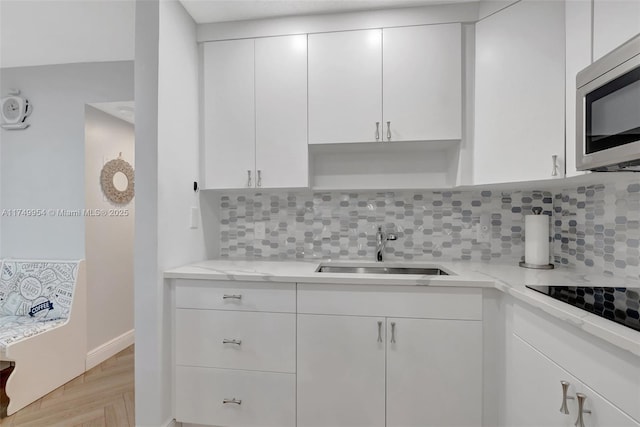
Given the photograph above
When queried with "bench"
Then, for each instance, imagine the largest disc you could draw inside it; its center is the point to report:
(43, 332)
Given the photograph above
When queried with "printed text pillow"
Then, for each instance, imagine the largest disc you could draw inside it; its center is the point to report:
(38, 289)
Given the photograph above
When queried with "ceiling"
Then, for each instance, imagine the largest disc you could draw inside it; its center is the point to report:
(120, 110)
(209, 11)
(39, 32)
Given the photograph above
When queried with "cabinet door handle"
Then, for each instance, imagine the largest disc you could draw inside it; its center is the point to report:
(259, 180)
(228, 341)
(565, 389)
(554, 160)
(379, 331)
(388, 131)
(225, 296)
(377, 131)
(249, 179)
(580, 420)
(393, 332)
(232, 400)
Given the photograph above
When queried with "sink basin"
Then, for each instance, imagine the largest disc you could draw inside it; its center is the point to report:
(429, 271)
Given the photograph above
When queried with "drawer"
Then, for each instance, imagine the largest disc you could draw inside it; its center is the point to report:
(232, 295)
(267, 399)
(391, 301)
(263, 341)
(612, 372)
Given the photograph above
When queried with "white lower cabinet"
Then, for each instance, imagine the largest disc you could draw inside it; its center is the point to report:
(235, 347)
(434, 372)
(387, 371)
(535, 394)
(225, 397)
(341, 379)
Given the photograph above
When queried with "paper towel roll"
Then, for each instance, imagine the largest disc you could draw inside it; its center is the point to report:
(536, 239)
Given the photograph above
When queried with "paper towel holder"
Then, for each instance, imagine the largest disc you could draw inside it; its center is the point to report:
(522, 263)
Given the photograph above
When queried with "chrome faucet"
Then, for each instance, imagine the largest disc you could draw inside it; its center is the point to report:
(381, 241)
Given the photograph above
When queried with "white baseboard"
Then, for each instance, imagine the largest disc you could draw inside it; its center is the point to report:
(110, 348)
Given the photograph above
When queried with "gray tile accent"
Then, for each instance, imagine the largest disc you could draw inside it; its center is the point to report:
(431, 226)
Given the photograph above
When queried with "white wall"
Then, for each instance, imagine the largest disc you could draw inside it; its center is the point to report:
(167, 153)
(38, 32)
(42, 167)
(109, 240)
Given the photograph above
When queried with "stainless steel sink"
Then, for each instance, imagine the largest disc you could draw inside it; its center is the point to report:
(370, 269)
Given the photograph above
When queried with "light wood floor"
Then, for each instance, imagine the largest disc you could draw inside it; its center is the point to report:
(102, 396)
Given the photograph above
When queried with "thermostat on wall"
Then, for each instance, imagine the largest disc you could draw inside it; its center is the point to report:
(15, 110)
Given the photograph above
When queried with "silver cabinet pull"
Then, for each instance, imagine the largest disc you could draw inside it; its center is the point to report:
(232, 400)
(259, 181)
(379, 331)
(580, 420)
(393, 332)
(377, 131)
(225, 296)
(249, 184)
(228, 341)
(554, 160)
(388, 131)
(565, 389)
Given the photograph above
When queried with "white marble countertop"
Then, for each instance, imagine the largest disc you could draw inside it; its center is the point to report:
(507, 278)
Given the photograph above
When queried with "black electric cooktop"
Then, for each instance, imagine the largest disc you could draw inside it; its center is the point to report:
(621, 305)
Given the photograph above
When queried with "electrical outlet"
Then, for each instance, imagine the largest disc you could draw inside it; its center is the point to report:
(483, 229)
(259, 230)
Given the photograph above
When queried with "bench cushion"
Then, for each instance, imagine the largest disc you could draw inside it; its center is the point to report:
(16, 328)
(41, 290)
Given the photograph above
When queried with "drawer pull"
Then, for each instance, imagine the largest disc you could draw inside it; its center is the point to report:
(565, 389)
(227, 341)
(393, 332)
(379, 331)
(233, 400)
(580, 420)
(231, 296)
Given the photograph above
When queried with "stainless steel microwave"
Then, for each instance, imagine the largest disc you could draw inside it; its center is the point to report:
(608, 111)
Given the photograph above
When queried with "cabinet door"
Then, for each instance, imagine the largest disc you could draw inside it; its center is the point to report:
(345, 86)
(534, 391)
(422, 83)
(341, 371)
(534, 394)
(281, 112)
(519, 93)
(434, 372)
(229, 113)
(614, 22)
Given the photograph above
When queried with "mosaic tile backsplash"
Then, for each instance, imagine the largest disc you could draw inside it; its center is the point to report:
(595, 227)
(598, 227)
(342, 225)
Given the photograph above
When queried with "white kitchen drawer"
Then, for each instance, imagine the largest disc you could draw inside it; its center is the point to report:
(267, 340)
(232, 295)
(268, 399)
(391, 301)
(614, 373)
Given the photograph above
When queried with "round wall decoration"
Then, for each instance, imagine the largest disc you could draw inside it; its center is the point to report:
(117, 182)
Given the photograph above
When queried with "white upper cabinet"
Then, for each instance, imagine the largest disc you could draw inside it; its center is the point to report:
(229, 114)
(395, 84)
(578, 55)
(614, 22)
(520, 93)
(345, 90)
(255, 113)
(422, 82)
(281, 112)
